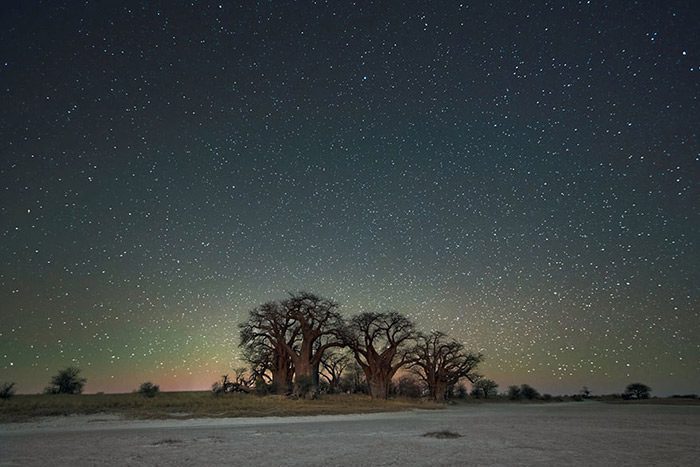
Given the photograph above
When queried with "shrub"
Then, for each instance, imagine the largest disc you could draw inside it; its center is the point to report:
(484, 386)
(514, 393)
(324, 387)
(148, 389)
(528, 392)
(304, 387)
(636, 391)
(7, 390)
(66, 381)
(262, 388)
(408, 386)
(461, 391)
(353, 381)
(217, 389)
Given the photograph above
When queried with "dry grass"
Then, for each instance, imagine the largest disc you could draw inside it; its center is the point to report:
(194, 405)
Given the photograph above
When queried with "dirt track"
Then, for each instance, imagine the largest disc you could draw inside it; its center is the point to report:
(586, 433)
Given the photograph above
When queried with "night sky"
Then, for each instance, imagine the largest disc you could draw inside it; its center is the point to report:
(524, 178)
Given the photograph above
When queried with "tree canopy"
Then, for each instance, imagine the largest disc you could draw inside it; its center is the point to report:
(637, 391)
(441, 362)
(381, 343)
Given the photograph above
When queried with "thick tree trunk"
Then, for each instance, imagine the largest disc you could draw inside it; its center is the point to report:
(439, 391)
(281, 376)
(302, 368)
(378, 380)
(280, 380)
(378, 387)
(303, 380)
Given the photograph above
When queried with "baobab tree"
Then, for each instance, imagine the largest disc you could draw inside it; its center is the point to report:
(381, 343)
(266, 338)
(319, 326)
(441, 362)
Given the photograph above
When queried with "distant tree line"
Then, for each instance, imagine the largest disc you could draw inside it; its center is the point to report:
(302, 343)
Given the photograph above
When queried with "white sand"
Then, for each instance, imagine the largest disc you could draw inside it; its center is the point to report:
(587, 433)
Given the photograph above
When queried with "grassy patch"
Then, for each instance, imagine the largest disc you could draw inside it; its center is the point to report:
(194, 405)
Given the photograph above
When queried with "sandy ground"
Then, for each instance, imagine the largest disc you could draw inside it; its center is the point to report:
(586, 433)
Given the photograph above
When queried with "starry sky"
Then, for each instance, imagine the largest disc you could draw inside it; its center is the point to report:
(521, 175)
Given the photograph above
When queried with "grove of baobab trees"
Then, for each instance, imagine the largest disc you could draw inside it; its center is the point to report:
(288, 343)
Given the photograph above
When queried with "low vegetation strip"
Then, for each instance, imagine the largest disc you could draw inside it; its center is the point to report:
(195, 405)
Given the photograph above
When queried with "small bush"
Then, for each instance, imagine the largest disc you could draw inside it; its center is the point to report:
(273, 388)
(262, 388)
(304, 387)
(148, 389)
(461, 391)
(7, 390)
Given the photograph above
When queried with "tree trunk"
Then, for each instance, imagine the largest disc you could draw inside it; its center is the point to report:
(378, 380)
(303, 379)
(281, 373)
(378, 387)
(302, 368)
(280, 380)
(439, 391)
(315, 375)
